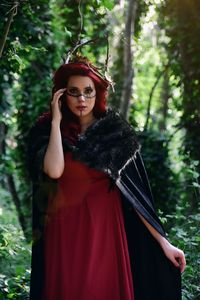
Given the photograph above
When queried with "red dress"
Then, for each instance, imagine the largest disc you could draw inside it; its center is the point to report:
(86, 252)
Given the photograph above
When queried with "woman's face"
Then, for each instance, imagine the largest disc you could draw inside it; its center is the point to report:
(81, 95)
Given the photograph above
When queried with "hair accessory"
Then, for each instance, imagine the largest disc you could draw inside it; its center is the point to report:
(73, 56)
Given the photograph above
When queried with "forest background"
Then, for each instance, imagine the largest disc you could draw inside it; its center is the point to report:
(154, 48)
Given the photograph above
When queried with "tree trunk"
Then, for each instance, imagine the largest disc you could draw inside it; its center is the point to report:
(128, 57)
(165, 100)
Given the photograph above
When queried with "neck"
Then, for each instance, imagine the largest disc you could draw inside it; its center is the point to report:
(86, 121)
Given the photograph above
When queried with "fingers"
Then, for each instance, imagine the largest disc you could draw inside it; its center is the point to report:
(182, 262)
(179, 260)
(56, 105)
(176, 256)
(60, 91)
(58, 94)
(175, 262)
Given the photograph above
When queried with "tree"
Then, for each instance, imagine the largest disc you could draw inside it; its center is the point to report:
(182, 24)
(128, 56)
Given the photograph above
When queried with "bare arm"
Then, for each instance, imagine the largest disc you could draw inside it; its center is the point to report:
(174, 254)
(54, 157)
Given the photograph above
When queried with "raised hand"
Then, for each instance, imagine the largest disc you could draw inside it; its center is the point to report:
(56, 105)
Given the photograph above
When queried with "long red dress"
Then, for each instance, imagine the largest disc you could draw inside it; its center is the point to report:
(86, 252)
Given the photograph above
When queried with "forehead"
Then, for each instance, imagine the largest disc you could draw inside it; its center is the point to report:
(80, 81)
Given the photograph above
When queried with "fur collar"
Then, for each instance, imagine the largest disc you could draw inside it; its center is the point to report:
(106, 145)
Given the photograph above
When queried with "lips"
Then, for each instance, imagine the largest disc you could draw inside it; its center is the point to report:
(81, 107)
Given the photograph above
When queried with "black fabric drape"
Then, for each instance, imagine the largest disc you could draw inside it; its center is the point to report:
(154, 276)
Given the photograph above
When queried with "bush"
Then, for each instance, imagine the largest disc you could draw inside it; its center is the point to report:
(186, 236)
(15, 256)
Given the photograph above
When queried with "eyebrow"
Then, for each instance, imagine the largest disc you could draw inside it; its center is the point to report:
(89, 86)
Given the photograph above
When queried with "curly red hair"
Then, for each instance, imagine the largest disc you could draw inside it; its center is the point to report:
(64, 72)
(60, 80)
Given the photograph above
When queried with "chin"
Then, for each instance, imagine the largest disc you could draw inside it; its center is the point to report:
(82, 113)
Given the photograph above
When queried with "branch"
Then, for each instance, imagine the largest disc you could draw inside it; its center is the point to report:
(151, 95)
(77, 45)
(107, 54)
(16, 200)
(173, 134)
(81, 21)
(3, 131)
(12, 12)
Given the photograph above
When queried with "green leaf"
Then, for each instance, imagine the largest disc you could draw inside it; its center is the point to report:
(195, 184)
(108, 4)
(69, 34)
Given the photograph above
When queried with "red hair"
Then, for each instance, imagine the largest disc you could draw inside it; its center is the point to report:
(60, 80)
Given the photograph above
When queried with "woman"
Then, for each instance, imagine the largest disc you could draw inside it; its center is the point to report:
(96, 232)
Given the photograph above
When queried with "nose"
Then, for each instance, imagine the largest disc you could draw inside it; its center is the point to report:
(81, 98)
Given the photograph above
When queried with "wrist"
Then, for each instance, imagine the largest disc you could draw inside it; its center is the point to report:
(163, 242)
(55, 123)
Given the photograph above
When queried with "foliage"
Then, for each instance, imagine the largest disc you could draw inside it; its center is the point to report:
(170, 189)
(118, 40)
(156, 156)
(39, 36)
(16, 287)
(181, 22)
(14, 263)
(186, 236)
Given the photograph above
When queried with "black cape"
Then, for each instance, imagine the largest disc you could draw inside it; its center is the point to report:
(109, 145)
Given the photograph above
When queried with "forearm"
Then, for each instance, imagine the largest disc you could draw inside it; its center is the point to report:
(160, 239)
(175, 255)
(54, 157)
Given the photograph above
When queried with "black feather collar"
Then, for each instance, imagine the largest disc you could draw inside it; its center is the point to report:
(107, 144)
